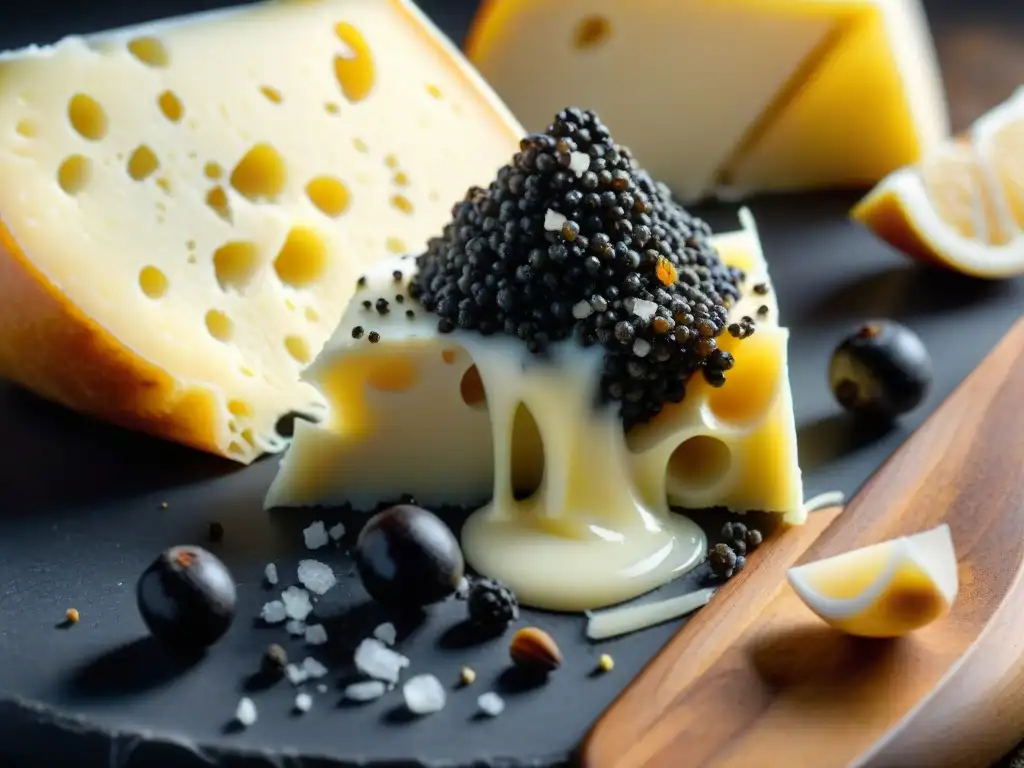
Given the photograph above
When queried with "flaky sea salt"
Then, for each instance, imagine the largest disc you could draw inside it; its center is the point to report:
(579, 163)
(462, 590)
(321, 688)
(303, 702)
(296, 675)
(245, 712)
(376, 660)
(296, 603)
(315, 576)
(553, 220)
(336, 531)
(270, 573)
(273, 612)
(424, 694)
(313, 668)
(315, 535)
(386, 633)
(316, 634)
(641, 347)
(367, 691)
(644, 309)
(295, 628)
(491, 704)
(582, 310)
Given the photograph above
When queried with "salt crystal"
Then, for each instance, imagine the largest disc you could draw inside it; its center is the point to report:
(313, 668)
(641, 347)
(303, 702)
(316, 535)
(315, 576)
(462, 591)
(424, 694)
(579, 163)
(321, 688)
(336, 531)
(273, 612)
(296, 675)
(386, 633)
(245, 713)
(375, 659)
(270, 574)
(582, 309)
(368, 691)
(295, 628)
(316, 634)
(296, 603)
(553, 220)
(644, 309)
(491, 704)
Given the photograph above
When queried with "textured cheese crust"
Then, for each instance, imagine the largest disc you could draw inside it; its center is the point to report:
(408, 415)
(743, 94)
(185, 206)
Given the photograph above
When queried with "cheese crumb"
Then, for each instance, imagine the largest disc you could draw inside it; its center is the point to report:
(316, 634)
(386, 633)
(315, 576)
(424, 695)
(245, 713)
(270, 574)
(297, 604)
(303, 702)
(295, 628)
(315, 535)
(366, 691)
(467, 675)
(553, 220)
(606, 663)
(313, 668)
(491, 704)
(296, 675)
(274, 612)
(336, 531)
(376, 660)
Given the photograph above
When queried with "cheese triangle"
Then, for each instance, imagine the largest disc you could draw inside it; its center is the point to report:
(752, 95)
(186, 206)
(457, 419)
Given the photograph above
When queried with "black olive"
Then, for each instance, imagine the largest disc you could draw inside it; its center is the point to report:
(406, 556)
(881, 370)
(186, 598)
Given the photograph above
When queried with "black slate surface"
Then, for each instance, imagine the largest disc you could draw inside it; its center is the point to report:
(82, 514)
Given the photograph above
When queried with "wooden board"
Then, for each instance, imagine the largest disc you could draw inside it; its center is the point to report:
(756, 679)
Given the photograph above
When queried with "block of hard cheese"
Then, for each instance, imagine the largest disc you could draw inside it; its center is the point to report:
(745, 95)
(186, 206)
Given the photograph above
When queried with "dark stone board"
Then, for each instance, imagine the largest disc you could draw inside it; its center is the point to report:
(82, 513)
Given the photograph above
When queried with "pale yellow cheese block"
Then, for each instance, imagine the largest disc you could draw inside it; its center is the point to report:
(464, 419)
(186, 206)
(728, 96)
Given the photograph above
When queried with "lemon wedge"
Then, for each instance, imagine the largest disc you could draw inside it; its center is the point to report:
(883, 590)
(962, 206)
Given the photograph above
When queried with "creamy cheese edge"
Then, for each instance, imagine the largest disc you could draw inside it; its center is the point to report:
(597, 530)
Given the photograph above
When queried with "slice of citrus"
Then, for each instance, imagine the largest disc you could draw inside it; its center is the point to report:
(884, 590)
(962, 206)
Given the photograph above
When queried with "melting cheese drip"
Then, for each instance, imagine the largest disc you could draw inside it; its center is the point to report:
(408, 416)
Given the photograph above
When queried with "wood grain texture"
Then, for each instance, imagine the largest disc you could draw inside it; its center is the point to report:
(756, 679)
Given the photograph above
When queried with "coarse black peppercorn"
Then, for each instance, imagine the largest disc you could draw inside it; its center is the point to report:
(491, 604)
(357, 332)
(722, 559)
(373, 337)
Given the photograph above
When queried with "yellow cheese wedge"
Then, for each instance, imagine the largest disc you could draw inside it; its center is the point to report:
(884, 590)
(462, 419)
(746, 94)
(185, 206)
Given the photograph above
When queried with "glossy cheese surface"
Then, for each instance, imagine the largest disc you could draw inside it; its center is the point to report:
(728, 95)
(185, 206)
(579, 512)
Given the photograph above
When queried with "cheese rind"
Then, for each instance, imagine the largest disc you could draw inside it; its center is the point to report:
(442, 417)
(184, 216)
(749, 95)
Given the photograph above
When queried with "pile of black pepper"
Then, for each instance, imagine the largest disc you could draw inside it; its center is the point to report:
(573, 239)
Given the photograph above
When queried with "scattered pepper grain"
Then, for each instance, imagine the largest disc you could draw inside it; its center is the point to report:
(605, 663)
(71, 616)
(467, 676)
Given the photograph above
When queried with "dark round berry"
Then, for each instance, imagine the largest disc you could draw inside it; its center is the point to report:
(722, 558)
(733, 532)
(882, 370)
(753, 539)
(406, 556)
(491, 605)
(186, 598)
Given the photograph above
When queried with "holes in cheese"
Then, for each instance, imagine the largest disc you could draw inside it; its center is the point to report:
(171, 106)
(591, 32)
(73, 174)
(150, 51)
(400, 180)
(260, 174)
(142, 163)
(302, 259)
(526, 453)
(298, 348)
(212, 170)
(312, 315)
(434, 91)
(240, 408)
(471, 387)
(153, 282)
(402, 203)
(753, 383)
(87, 117)
(395, 245)
(271, 93)
(220, 326)
(329, 195)
(235, 265)
(217, 199)
(391, 374)
(355, 71)
(27, 128)
(360, 145)
(698, 463)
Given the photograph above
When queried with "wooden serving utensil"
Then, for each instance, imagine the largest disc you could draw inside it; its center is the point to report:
(756, 679)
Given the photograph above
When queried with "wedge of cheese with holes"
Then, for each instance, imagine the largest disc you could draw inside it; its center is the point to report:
(748, 95)
(415, 412)
(186, 206)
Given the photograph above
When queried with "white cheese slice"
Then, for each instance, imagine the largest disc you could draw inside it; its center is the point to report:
(186, 205)
(465, 419)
